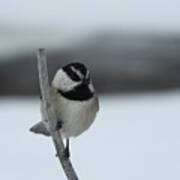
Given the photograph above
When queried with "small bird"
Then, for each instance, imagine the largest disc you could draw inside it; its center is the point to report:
(74, 100)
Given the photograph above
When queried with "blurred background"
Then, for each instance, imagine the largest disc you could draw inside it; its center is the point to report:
(133, 51)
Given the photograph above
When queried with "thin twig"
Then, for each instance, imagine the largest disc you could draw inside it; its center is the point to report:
(46, 98)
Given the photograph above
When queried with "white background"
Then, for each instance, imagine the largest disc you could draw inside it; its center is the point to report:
(135, 137)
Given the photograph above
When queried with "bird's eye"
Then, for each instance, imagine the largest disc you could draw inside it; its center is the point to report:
(74, 76)
(86, 80)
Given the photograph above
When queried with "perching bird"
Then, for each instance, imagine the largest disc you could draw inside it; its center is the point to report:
(74, 100)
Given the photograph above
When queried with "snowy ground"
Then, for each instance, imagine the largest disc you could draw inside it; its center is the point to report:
(135, 137)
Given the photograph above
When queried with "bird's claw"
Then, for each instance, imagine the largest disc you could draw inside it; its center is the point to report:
(66, 153)
(58, 126)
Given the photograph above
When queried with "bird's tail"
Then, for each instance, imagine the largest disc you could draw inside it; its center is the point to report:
(40, 128)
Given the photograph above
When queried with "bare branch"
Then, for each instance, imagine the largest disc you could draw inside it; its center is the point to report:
(46, 98)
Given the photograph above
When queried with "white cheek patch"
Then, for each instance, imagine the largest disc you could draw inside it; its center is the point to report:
(63, 82)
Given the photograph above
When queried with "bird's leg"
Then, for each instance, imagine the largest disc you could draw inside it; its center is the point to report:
(66, 150)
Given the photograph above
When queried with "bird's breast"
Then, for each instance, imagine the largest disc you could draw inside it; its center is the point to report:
(76, 116)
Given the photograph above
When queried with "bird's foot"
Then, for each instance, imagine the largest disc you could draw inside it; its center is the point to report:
(58, 126)
(66, 153)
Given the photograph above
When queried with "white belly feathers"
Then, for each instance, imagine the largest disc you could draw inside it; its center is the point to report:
(76, 116)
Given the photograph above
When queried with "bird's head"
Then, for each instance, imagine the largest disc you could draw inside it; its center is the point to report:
(72, 76)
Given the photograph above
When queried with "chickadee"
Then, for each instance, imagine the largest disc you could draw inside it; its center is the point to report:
(74, 100)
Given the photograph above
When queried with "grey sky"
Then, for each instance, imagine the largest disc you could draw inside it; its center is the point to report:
(154, 14)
